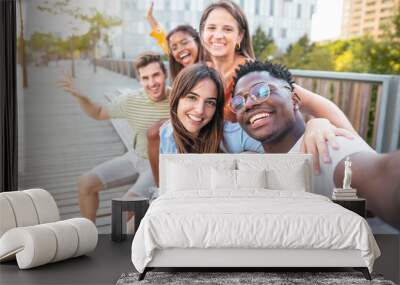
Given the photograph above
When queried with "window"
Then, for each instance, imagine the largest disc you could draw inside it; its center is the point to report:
(271, 7)
(187, 5)
(257, 8)
(283, 33)
(368, 30)
(270, 33)
(312, 10)
(167, 4)
(242, 4)
(298, 11)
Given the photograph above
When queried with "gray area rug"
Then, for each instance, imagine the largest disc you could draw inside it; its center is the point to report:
(229, 278)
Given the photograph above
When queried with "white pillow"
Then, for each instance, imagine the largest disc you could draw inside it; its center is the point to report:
(237, 179)
(282, 174)
(223, 179)
(183, 177)
(290, 178)
(186, 175)
(251, 178)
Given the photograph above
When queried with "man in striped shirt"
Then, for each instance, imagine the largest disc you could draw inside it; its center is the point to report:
(142, 108)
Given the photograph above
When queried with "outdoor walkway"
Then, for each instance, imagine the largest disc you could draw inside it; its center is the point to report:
(58, 142)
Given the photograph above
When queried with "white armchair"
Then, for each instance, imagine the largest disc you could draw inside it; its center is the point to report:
(31, 232)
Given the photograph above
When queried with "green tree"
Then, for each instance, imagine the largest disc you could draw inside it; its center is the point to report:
(357, 56)
(63, 7)
(269, 52)
(59, 50)
(40, 44)
(391, 43)
(296, 54)
(260, 43)
(98, 24)
(319, 58)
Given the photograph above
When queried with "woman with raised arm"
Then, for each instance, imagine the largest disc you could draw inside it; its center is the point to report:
(184, 48)
(226, 40)
(157, 31)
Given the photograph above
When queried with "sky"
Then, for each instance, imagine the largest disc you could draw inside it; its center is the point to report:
(326, 22)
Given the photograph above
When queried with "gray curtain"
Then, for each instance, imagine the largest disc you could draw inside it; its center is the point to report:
(8, 97)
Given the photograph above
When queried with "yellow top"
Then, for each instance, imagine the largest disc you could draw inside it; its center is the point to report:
(159, 35)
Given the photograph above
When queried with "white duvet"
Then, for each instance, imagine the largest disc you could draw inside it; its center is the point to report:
(255, 218)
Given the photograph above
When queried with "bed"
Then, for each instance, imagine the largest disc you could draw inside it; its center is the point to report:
(247, 210)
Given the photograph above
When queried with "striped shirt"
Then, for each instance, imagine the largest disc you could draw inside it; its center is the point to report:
(141, 114)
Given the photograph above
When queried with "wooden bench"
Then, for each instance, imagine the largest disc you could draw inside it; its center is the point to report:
(121, 126)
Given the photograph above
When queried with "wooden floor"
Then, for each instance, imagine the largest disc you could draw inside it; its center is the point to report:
(58, 142)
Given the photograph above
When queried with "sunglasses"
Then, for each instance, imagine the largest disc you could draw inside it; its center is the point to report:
(258, 93)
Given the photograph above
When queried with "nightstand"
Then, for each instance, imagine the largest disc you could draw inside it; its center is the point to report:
(356, 205)
(119, 205)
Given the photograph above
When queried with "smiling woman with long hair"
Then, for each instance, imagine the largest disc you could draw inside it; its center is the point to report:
(227, 42)
(196, 110)
(196, 122)
(184, 48)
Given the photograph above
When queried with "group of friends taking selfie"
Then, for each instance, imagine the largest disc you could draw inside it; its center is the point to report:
(223, 100)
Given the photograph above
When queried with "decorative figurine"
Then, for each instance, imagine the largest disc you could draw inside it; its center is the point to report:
(347, 192)
(347, 174)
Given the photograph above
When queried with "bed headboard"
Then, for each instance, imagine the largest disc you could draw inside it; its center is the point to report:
(284, 165)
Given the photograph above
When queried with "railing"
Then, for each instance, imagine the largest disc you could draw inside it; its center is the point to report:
(122, 66)
(370, 101)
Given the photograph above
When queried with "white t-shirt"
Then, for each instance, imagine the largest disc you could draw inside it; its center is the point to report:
(323, 183)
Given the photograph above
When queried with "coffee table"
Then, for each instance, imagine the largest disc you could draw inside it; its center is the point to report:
(137, 205)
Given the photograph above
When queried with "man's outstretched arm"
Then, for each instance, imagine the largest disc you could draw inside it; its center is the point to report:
(91, 108)
(377, 179)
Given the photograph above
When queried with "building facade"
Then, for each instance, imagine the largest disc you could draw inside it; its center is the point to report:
(367, 17)
(283, 20)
